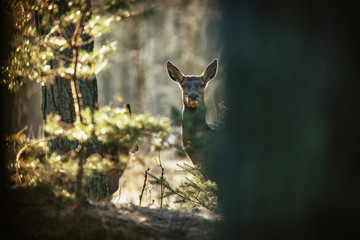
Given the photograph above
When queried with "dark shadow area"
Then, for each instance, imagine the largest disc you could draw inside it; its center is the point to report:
(289, 165)
(8, 212)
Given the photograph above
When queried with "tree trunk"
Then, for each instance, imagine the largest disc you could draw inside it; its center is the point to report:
(58, 99)
(289, 168)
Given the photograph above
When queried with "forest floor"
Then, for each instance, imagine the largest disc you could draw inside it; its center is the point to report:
(35, 213)
(33, 216)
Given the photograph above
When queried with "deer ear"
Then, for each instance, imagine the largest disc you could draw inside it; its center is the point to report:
(174, 73)
(134, 148)
(128, 108)
(210, 71)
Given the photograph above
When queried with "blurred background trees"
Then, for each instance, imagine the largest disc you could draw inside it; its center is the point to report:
(184, 32)
(181, 31)
(53, 46)
(148, 34)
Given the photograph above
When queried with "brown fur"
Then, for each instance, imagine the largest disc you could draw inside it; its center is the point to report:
(113, 176)
(194, 126)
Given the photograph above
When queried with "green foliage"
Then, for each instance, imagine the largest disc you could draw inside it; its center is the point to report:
(222, 115)
(31, 167)
(204, 139)
(112, 127)
(176, 116)
(47, 34)
(54, 39)
(194, 191)
(125, 8)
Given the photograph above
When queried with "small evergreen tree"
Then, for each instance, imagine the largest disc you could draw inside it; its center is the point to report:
(194, 191)
(54, 47)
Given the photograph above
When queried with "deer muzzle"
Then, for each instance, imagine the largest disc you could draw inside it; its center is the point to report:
(192, 103)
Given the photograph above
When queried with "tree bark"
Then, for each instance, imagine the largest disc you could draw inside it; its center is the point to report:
(289, 164)
(58, 99)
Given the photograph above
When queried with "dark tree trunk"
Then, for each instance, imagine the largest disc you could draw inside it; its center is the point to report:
(9, 213)
(289, 165)
(58, 99)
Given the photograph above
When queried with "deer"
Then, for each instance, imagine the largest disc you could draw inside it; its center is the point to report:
(113, 176)
(195, 132)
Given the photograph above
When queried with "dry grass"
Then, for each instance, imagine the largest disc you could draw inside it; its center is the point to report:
(131, 183)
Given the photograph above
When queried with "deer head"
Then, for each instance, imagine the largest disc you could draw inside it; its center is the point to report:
(192, 86)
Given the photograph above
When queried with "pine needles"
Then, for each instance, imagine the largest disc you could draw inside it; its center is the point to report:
(194, 191)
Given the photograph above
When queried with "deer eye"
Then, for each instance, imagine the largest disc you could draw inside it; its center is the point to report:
(203, 84)
(183, 85)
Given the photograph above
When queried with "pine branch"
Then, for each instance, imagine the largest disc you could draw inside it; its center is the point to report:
(197, 191)
(20, 152)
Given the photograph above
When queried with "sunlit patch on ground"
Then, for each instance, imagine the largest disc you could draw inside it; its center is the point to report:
(132, 181)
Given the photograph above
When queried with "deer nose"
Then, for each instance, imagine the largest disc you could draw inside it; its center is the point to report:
(193, 96)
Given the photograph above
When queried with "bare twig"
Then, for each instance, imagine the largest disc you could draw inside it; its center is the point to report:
(86, 42)
(58, 54)
(162, 187)
(76, 95)
(79, 176)
(75, 88)
(73, 43)
(143, 188)
(152, 203)
(18, 155)
(61, 31)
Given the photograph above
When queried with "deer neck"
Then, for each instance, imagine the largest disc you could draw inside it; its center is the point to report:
(193, 123)
(196, 116)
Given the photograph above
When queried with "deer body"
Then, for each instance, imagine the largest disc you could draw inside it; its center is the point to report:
(194, 135)
(113, 176)
(195, 131)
